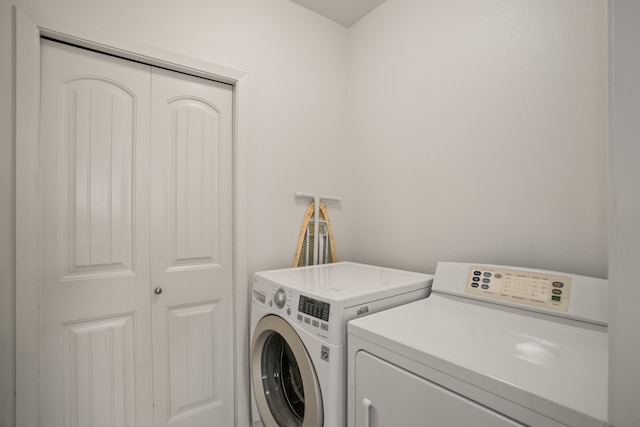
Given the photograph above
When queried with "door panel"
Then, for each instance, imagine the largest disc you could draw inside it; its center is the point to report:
(387, 395)
(97, 126)
(191, 226)
(195, 145)
(191, 349)
(101, 372)
(94, 285)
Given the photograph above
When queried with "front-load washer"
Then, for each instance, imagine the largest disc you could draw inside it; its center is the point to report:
(491, 346)
(298, 336)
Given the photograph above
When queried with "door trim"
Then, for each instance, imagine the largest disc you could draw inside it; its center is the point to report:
(28, 30)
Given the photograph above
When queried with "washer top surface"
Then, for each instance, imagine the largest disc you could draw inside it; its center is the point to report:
(552, 365)
(349, 282)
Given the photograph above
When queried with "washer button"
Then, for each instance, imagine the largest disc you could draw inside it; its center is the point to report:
(280, 298)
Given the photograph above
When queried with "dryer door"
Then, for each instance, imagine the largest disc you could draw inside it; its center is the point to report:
(286, 388)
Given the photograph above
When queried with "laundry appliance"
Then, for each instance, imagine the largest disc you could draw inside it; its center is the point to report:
(491, 346)
(298, 336)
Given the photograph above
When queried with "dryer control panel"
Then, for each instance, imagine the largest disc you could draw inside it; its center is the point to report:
(567, 295)
(537, 289)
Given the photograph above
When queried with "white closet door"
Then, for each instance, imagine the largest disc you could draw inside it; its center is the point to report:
(191, 248)
(95, 360)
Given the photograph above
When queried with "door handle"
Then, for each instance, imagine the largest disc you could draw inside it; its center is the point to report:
(366, 404)
(157, 291)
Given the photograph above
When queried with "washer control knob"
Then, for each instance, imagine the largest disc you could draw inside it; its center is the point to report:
(280, 298)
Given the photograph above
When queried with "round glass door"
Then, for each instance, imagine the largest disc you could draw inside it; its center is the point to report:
(285, 385)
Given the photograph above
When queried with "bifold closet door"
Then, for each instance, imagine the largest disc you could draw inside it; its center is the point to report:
(136, 323)
(95, 318)
(191, 240)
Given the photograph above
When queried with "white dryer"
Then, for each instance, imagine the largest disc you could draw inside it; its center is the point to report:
(298, 336)
(491, 346)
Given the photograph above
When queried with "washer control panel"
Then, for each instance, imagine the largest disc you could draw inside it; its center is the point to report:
(313, 307)
(311, 314)
(315, 313)
(537, 289)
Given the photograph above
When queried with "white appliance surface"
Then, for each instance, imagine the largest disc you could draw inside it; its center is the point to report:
(543, 361)
(349, 282)
(348, 290)
(317, 302)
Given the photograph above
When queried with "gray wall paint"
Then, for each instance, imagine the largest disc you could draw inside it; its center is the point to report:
(479, 131)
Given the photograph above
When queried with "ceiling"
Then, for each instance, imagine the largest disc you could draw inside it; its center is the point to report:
(345, 12)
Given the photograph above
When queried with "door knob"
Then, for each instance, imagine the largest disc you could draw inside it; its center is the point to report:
(157, 291)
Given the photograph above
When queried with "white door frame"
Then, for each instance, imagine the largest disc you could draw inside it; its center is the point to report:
(28, 31)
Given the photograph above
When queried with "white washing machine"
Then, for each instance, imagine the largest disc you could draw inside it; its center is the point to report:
(298, 336)
(491, 346)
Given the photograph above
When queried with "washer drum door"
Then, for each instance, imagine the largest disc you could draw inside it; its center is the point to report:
(285, 384)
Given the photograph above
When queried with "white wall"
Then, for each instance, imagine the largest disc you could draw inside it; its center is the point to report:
(479, 133)
(296, 62)
(624, 372)
(458, 130)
